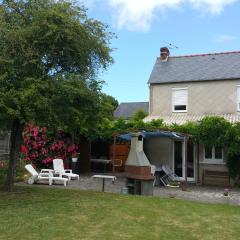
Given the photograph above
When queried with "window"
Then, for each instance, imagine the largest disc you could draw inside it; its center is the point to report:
(238, 98)
(179, 99)
(213, 155)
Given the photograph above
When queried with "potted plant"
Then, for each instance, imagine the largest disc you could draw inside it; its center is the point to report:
(173, 185)
(72, 150)
(226, 196)
(75, 157)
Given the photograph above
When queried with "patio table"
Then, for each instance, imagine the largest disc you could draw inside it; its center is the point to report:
(102, 161)
(103, 177)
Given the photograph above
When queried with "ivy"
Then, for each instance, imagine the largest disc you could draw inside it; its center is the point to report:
(213, 131)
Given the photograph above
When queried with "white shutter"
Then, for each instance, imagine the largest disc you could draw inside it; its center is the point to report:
(179, 97)
(238, 98)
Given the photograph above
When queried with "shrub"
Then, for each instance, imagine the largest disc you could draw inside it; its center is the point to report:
(41, 147)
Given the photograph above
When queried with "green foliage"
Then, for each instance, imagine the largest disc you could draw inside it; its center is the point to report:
(139, 115)
(189, 127)
(50, 54)
(233, 138)
(213, 131)
(233, 161)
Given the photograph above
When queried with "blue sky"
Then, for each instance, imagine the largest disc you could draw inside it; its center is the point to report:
(143, 26)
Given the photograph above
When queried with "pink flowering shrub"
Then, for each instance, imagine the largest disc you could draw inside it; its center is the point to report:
(41, 148)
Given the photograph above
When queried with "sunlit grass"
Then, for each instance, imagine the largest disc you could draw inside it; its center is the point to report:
(46, 213)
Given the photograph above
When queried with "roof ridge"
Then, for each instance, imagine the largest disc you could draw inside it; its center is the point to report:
(205, 54)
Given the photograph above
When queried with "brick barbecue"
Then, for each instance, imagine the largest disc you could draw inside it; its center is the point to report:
(138, 168)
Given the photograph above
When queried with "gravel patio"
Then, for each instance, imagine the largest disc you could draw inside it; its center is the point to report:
(193, 193)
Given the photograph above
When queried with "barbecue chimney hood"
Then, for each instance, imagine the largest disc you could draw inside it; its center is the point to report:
(137, 165)
(136, 156)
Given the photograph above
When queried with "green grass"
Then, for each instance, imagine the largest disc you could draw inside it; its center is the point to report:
(44, 213)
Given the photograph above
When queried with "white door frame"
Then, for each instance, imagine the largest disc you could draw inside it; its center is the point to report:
(184, 162)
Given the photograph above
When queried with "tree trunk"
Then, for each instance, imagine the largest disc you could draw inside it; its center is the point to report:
(15, 144)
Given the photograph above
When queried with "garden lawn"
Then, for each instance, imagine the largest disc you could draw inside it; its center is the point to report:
(47, 213)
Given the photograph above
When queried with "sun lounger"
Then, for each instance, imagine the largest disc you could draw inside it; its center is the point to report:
(44, 175)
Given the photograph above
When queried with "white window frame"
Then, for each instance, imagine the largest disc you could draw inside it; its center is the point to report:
(238, 97)
(212, 160)
(179, 111)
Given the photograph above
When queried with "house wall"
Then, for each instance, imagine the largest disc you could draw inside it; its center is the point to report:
(213, 167)
(159, 151)
(203, 97)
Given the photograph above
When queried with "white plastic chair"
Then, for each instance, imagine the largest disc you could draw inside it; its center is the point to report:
(45, 174)
(59, 169)
(169, 175)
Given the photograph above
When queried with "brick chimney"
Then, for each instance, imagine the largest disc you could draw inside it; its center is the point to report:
(164, 54)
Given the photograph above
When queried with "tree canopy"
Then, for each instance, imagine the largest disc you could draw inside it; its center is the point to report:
(50, 56)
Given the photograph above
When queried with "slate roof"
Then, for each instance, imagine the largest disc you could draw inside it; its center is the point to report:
(126, 110)
(191, 68)
(181, 118)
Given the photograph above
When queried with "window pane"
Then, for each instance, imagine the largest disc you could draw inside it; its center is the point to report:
(208, 152)
(218, 153)
(180, 107)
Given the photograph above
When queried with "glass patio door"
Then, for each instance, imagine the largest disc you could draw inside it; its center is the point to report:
(179, 160)
(190, 162)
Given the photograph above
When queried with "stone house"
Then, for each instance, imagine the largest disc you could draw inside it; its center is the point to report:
(188, 88)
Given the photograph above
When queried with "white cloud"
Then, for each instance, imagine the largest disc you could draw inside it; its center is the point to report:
(139, 14)
(224, 38)
(212, 6)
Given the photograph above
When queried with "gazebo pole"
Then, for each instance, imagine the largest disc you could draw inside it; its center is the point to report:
(114, 154)
(198, 174)
(186, 155)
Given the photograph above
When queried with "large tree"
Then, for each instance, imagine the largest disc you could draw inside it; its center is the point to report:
(50, 54)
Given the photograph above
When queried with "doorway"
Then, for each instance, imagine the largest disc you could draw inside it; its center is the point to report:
(179, 160)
